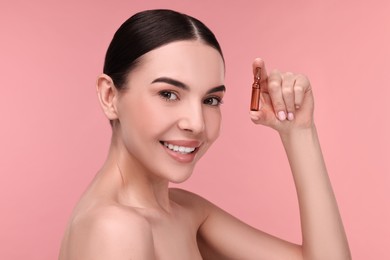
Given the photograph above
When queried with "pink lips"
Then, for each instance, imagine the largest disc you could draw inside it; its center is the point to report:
(182, 157)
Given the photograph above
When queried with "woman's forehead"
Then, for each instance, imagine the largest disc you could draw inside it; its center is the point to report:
(191, 62)
(184, 57)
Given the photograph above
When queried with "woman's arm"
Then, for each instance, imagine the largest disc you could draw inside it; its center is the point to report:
(323, 235)
(287, 106)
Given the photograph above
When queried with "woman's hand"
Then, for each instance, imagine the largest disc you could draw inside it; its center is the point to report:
(287, 105)
(286, 100)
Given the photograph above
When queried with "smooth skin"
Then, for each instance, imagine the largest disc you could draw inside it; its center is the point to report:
(173, 96)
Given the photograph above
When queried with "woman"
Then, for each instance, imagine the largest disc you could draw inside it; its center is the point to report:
(161, 88)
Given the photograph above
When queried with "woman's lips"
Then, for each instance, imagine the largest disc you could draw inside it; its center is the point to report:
(181, 151)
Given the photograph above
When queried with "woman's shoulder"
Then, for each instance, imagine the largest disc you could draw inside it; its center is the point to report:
(118, 228)
(185, 197)
(190, 201)
(111, 217)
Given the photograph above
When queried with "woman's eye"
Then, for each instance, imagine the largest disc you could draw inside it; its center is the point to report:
(168, 95)
(213, 101)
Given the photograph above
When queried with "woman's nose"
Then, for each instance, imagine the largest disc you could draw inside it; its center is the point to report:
(192, 120)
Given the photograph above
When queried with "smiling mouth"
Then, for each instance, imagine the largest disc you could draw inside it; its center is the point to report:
(178, 148)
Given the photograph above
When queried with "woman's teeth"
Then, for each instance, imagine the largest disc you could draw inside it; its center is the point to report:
(180, 149)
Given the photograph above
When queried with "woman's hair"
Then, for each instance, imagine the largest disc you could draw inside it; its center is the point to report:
(146, 31)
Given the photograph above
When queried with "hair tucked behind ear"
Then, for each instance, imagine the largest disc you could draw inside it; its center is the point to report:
(146, 31)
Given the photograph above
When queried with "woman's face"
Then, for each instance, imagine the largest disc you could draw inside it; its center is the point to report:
(169, 114)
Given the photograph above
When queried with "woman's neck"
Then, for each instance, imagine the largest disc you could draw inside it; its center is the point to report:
(131, 182)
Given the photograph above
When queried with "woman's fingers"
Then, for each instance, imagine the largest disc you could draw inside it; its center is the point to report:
(302, 85)
(274, 89)
(287, 91)
(286, 99)
(288, 81)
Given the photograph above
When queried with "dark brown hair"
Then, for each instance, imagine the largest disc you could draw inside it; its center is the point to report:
(146, 31)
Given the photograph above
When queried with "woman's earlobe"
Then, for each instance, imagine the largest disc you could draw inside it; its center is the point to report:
(107, 95)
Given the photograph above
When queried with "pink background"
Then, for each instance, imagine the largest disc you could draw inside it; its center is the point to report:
(53, 136)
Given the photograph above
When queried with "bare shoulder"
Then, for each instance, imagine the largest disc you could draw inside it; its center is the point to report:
(110, 232)
(223, 236)
(188, 199)
(197, 207)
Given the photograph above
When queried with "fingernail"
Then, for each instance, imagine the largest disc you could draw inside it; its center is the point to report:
(282, 115)
(290, 116)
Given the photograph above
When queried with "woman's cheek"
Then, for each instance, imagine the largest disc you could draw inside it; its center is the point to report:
(213, 121)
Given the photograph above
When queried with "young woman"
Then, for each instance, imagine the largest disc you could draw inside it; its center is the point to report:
(161, 88)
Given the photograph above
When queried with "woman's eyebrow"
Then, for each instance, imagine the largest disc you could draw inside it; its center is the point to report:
(172, 82)
(181, 85)
(217, 89)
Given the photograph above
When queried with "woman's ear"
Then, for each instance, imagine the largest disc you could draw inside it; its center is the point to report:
(108, 95)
